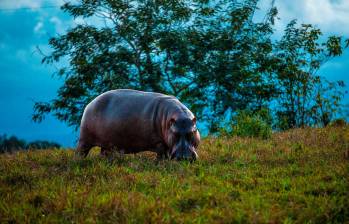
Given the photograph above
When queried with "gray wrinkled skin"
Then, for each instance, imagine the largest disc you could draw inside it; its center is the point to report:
(132, 121)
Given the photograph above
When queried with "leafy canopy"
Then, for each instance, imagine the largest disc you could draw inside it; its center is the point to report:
(213, 55)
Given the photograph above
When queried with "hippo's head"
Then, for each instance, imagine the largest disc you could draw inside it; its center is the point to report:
(183, 138)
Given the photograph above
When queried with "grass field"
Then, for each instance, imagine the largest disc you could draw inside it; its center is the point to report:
(300, 176)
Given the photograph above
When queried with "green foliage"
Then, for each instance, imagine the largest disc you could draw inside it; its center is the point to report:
(252, 124)
(306, 98)
(42, 144)
(213, 55)
(339, 122)
(190, 49)
(299, 176)
(8, 144)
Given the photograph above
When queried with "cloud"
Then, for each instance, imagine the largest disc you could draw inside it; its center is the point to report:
(10, 4)
(58, 24)
(31, 4)
(332, 17)
(38, 27)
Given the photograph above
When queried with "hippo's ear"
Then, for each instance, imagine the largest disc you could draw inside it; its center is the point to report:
(194, 124)
(194, 120)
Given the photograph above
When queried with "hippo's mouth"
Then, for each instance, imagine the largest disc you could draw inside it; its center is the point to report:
(186, 154)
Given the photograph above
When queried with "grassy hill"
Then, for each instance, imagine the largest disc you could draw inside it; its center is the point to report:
(300, 176)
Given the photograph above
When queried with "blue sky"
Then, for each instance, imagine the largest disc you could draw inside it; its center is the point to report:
(26, 24)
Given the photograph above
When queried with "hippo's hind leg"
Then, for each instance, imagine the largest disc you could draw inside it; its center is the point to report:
(83, 149)
(87, 140)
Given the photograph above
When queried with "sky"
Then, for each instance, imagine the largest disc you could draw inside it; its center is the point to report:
(26, 25)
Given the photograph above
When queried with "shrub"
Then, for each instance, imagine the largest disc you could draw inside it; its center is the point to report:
(252, 124)
(42, 144)
(340, 122)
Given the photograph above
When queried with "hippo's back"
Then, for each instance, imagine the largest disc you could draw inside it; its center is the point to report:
(122, 118)
(123, 102)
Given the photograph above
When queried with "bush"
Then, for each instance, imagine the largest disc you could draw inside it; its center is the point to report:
(39, 144)
(340, 122)
(252, 124)
(12, 144)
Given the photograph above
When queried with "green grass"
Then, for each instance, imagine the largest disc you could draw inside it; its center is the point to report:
(300, 176)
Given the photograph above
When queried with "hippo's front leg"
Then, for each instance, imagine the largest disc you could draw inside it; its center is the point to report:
(83, 149)
(162, 152)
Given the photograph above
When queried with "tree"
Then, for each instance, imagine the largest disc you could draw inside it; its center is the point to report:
(203, 52)
(11, 144)
(139, 47)
(327, 103)
(235, 66)
(305, 97)
(213, 55)
(42, 144)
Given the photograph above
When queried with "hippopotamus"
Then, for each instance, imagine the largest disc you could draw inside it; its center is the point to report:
(132, 121)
